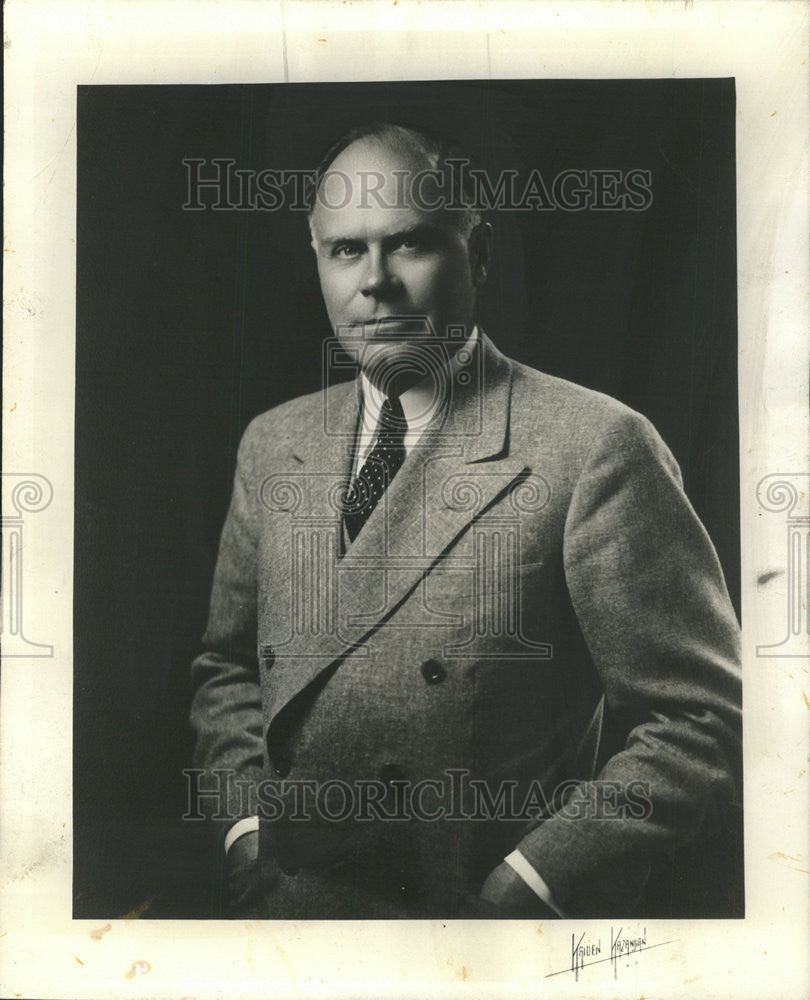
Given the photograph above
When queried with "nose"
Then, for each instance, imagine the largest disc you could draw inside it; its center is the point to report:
(377, 279)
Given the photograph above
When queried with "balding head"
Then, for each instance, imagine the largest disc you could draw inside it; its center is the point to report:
(425, 177)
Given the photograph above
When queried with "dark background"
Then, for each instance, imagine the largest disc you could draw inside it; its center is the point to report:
(189, 324)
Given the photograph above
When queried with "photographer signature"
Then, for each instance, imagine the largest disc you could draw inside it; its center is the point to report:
(588, 950)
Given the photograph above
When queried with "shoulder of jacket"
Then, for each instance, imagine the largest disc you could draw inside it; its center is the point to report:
(575, 407)
(278, 428)
(576, 424)
(287, 416)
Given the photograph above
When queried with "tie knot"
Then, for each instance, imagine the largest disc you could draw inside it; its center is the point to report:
(392, 418)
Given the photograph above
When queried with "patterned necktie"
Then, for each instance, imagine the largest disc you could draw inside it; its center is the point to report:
(382, 464)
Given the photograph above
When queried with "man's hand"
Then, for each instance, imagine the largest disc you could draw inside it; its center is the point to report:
(507, 890)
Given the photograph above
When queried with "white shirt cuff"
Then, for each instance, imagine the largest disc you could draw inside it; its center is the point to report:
(519, 864)
(239, 829)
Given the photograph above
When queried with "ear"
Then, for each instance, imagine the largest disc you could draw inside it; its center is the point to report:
(480, 249)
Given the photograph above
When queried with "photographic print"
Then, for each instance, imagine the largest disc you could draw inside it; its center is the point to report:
(414, 663)
(405, 500)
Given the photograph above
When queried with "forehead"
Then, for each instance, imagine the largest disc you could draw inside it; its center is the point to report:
(369, 190)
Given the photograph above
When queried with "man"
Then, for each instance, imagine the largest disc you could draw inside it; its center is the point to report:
(470, 651)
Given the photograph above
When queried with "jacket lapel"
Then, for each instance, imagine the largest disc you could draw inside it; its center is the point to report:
(459, 468)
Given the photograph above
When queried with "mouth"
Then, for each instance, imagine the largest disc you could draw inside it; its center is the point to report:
(393, 327)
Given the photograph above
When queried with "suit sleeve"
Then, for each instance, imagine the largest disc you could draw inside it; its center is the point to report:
(650, 598)
(226, 710)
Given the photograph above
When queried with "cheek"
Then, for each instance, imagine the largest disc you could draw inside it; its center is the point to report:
(337, 287)
(446, 285)
(431, 280)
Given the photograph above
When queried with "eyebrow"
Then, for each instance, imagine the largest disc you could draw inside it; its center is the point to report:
(423, 229)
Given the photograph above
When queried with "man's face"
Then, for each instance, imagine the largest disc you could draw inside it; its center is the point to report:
(386, 264)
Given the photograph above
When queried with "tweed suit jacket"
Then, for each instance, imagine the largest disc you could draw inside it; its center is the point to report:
(533, 613)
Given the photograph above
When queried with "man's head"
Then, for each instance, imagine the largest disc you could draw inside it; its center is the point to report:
(398, 255)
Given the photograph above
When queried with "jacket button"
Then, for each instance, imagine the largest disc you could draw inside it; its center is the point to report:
(390, 772)
(433, 671)
(281, 765)
(289, 870)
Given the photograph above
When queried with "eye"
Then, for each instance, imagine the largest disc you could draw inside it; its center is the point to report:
(410, 243)
(347, 251)
(418, 241)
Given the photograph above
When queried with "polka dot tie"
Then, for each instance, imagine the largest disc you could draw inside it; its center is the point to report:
(382, 464)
